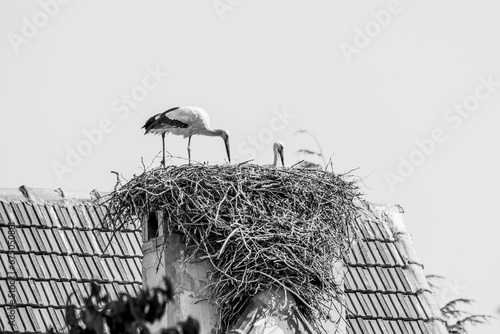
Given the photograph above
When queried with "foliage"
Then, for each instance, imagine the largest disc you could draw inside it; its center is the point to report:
(126, 315)
(258, 226)
(456, 319)
(306, 163)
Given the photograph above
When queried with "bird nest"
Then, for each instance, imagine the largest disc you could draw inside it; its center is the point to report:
(258, 226)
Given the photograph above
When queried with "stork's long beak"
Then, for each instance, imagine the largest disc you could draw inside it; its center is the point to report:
(282, 157)
(228, 150)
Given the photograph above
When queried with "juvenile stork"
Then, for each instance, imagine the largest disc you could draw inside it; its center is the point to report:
(278, 150)
(186, 122)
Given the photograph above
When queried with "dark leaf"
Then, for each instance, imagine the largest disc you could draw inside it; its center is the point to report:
(144, 329)
(76, 330)
(169, 289)
(95, 289)
(94, 321)
(475, 320)
(452, 305)
(456, 314)
(190, 326)
(432, 277)
(309, 152)
(89, 331)
(71, 318)
(153, 307)
(160, 299)
(114, 316)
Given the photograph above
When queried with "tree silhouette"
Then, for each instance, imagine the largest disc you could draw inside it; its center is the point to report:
(126, 314)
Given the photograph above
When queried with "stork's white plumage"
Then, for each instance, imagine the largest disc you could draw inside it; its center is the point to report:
(278, 149)
(186, 122)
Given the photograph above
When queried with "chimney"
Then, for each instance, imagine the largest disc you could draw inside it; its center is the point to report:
(166, 255)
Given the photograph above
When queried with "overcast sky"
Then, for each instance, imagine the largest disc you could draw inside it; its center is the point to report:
(406, 91)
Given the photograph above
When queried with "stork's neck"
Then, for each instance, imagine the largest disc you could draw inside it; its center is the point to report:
(210, 132)
(275, 162)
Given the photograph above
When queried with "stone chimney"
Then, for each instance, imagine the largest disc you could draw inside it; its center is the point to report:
(165, 255)
(274, 310)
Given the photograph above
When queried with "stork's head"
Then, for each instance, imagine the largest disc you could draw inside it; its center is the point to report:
(279, 150)
(224, 134)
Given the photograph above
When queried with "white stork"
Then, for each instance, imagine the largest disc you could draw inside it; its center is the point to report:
(184, 121)
(278, 150)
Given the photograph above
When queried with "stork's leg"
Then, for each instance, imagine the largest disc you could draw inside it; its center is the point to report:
(163, 140)
(189, 149)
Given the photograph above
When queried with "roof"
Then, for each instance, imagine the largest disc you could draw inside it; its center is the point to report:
(60, 246)
(386, 290)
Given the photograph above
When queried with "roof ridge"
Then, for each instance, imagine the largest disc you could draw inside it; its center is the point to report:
(393, 215)
(48, 196)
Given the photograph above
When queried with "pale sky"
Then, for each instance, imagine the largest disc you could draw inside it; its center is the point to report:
(406, 91)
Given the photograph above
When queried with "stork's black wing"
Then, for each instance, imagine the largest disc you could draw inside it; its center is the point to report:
(160, 120)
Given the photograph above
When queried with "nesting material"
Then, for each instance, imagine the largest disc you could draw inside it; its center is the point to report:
(258, 226)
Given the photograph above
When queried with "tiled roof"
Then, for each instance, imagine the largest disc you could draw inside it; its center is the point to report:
(60, 246)
(385, 286)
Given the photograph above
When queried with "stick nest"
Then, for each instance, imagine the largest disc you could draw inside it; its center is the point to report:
(258, 226)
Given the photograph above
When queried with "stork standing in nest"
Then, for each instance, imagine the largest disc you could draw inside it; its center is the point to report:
(278, 149)
(186, 122)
